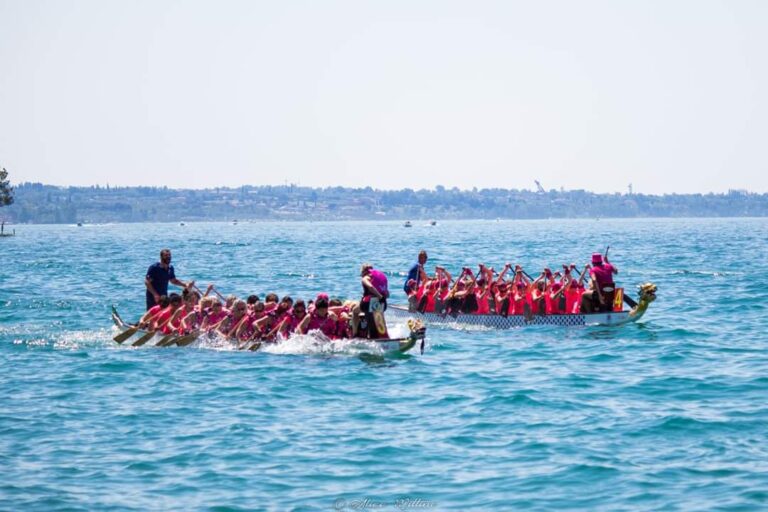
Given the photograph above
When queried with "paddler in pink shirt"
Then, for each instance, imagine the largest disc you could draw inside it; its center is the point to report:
(319, 319)
(375, 294)
(602, 282)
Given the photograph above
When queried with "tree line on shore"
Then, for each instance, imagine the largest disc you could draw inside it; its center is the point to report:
(40, 203)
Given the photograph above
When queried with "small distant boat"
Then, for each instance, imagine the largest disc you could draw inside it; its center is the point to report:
(433, 223)
(4, 234)
(234, 222)
(182, 224)
(79, 224)
(407, 224)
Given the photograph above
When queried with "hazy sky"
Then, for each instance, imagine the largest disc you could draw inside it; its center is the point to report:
(671, 96)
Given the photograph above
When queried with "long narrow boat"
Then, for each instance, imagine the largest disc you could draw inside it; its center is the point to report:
(140, 337)
(647, 295)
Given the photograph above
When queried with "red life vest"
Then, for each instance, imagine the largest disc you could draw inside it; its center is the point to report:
(483, 306)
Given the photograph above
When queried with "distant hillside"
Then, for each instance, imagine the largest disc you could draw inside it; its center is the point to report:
(38, 203)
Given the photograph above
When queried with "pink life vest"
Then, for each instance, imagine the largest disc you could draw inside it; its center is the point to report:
(325, 324)
(214, 318)
(291, 323)
(603, 274)
(379, 281)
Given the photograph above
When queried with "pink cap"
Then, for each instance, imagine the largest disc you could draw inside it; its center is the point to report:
(597, 258)
(321, 296)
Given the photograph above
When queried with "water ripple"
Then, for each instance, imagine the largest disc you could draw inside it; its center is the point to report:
(665, 414)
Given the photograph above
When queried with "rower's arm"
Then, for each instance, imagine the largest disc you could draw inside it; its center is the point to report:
(241, 326)
(176, 314)
(228, 329)
(422, 274)
(596, 286)
(182, 284)
(455, 286)
(235, 330)
(303, 325)
(186, 318)
(472, 285)
(160, 325)
(217, 326)
(147, 317)
(151, 288)
(503, 273)
(367, 283)
(258, 325)
(583, 273)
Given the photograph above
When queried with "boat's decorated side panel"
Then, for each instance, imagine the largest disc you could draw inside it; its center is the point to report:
(512, 321)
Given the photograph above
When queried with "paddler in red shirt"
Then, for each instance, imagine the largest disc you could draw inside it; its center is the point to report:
(162, 321)
(483, 290)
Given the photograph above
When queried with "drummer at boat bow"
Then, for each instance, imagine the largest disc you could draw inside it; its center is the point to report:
(375, 294)
(603, 286)
(159, 275)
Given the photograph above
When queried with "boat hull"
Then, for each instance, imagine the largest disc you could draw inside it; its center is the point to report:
(513, 321)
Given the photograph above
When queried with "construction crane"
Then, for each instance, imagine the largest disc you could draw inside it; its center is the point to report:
(539, 188)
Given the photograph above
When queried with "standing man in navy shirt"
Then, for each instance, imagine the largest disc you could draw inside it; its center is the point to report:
(417, 272)
(158, 276)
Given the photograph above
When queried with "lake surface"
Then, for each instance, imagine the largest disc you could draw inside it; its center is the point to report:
(669, 413)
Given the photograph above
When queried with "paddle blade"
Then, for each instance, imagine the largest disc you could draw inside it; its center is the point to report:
(166, 340)
(125, 334)
(139, 342)
(186, 340)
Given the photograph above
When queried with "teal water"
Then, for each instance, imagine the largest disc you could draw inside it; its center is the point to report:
(666, 414)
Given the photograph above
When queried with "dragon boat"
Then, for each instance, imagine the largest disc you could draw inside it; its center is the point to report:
(417, 333)
(647, 294)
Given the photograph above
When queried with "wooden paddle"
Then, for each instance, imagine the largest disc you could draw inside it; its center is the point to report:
(187, 339)
(126, 334)
(166, 340)
(148, 336)
(214, 291)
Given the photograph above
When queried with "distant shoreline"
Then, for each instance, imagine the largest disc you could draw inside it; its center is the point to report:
(36, 203)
